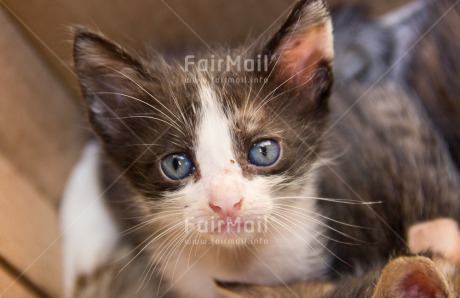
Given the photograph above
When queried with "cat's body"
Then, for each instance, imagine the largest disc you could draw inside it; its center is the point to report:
(387, 152)
(382, 150)
(397, 148)
(415, 46)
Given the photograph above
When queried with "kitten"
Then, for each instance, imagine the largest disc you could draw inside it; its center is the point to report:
(189, 164)
(186, 158)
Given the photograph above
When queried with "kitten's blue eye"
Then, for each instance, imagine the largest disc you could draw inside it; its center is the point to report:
(177, 166)
(264, 153)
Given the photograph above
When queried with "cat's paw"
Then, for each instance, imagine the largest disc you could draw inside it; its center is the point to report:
(440, 236)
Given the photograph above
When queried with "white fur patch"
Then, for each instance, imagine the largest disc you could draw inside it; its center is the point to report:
(214, 150)
(221, 176)
(89, 234)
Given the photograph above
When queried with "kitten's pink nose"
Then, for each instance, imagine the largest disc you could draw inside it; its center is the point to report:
(226, 207)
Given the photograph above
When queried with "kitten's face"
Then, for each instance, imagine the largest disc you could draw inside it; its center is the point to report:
(208, 155)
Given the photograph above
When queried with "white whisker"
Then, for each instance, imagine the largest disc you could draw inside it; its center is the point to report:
(340, 201)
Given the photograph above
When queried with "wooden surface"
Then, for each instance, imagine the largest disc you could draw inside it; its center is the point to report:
(29, 234)
(41, 135)
(16, 289)
(41, 130)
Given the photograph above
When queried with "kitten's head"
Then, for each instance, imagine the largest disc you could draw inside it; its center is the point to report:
(211, 150)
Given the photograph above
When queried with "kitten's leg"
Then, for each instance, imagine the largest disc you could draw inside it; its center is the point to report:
(89, 234)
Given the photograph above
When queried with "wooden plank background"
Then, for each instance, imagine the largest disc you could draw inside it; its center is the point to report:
(29, 237)
(41, 134)
(16, 290)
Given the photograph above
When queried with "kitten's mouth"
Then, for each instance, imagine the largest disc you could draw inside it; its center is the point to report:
(228, 226)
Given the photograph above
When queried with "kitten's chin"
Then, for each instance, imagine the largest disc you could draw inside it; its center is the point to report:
(227, 228)
(231, 233)
(232, 239)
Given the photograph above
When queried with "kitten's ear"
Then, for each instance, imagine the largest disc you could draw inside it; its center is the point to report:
(110, 79)
(302, 51)
(411, 277)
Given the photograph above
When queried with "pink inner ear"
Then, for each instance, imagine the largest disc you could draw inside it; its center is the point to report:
(302, 54)
(420, 284)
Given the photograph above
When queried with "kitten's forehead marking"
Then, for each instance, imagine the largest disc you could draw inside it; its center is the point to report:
(214, 147)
